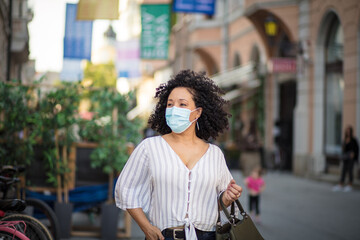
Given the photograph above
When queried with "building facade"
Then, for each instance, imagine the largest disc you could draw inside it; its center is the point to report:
(290, 70)
(14, 41)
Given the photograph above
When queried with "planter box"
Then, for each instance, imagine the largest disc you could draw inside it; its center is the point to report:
(109, 221)
(63, 212)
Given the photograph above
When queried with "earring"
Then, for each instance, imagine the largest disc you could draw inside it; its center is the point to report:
(197, 125)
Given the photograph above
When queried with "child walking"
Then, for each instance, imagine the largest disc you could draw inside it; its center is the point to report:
(255, 185)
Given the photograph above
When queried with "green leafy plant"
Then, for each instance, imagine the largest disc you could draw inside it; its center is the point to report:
(30, 116)
(109, 126)
(16, 117)
(113, 131)
(58, 110)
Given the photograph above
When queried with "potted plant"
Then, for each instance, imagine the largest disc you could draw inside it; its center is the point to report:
(117, 131)
(59, 114)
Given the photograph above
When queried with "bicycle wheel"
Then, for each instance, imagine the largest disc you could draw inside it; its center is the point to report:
(9, 234)
(35, 230)
(9, 230)
(42, 212)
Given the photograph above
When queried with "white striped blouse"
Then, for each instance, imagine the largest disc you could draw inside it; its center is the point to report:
(156, 180)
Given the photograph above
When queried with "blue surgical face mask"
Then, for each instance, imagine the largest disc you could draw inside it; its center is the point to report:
(178, 119)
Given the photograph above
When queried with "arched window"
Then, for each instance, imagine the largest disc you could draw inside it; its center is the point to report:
(237, 60)
(334, 87)
(255, 58)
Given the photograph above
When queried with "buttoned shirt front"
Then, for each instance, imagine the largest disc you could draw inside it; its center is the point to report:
(156, 180)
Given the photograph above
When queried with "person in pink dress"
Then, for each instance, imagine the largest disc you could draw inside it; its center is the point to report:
(255, 185)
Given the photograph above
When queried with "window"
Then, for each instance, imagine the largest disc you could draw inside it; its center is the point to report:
(334, 88)
(237, 61)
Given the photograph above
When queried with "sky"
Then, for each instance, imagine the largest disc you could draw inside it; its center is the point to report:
(46, 31)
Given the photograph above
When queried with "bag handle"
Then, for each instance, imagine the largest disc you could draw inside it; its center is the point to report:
(230, 216)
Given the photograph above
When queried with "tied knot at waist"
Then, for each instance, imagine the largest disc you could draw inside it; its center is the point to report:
(190, 232)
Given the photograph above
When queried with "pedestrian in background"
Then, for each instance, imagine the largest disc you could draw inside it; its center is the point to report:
(177, 177)
(349, 156)
(255, 185)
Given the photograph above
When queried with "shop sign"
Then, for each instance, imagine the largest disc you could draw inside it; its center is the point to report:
(283, 65)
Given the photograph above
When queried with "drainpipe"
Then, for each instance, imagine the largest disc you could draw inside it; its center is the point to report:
(225, 35)
(9, 42)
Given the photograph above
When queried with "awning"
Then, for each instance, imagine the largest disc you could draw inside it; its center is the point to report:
(243, 77)
(242, 92)
(237, 76)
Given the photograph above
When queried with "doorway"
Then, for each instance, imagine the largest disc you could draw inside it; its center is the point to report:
(287, 97)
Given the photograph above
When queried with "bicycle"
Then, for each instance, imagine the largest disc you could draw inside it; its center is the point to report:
(10, 212)
(21, 226)
(9, 229)
(35, 207)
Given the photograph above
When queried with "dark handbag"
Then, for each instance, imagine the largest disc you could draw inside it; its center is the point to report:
(236, 229)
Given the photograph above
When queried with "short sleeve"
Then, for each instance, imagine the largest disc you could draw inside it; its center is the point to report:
(132, 188)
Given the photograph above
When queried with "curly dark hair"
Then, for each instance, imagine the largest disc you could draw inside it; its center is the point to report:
(207, 95)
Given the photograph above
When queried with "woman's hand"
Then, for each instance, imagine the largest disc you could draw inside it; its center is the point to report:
(232, 193)
(153, 233)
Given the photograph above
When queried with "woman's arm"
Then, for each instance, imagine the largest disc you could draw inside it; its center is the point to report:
(151, 232)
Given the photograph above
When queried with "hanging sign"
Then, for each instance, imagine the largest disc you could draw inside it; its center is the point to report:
(283, 65)
(95, 9)
(128, 58)
(78, 35)
(155, 27)
(194, 6)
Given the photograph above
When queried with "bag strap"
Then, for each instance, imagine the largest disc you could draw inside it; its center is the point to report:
(231, 215)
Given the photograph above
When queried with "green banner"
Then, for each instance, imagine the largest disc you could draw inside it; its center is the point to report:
(155, 27)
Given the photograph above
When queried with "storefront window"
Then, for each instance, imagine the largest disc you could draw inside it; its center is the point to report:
(334, 88)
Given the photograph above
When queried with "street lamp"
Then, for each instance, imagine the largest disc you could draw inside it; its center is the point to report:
(271, 26)
(271, 29)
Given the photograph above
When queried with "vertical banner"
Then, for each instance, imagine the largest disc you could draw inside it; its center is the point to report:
(78, 35)
(155, 27)
(194, 6)
(77, 45)
(128, 59)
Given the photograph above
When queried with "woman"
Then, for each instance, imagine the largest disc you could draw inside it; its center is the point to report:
(178, 176)
(350, 154)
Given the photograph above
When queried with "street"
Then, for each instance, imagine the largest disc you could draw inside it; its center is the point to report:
(297, 209)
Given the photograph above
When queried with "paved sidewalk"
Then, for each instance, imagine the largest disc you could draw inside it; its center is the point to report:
(297, 208)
